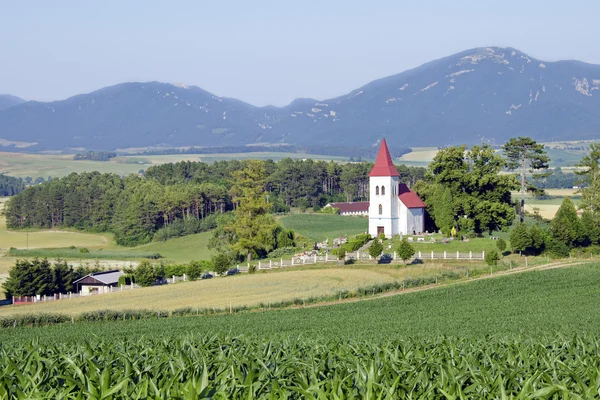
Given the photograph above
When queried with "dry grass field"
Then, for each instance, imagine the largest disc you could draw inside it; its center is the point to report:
(243, 289)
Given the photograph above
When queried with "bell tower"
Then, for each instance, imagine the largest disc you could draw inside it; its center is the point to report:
(383, 195)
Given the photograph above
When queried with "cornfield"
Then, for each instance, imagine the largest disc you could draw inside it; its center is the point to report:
(231, 367)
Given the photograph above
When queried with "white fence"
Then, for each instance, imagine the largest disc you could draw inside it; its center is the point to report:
(359, 256)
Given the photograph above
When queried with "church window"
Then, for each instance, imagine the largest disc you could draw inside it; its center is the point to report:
(380, 209)
(377, 190)
(382, 190)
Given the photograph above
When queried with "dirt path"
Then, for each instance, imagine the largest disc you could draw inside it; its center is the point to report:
(513, 271)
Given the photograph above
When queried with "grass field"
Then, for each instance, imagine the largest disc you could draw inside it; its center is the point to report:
(547, 207)
(180, 250)
(319, 227)
(251, 289)
(59, 165)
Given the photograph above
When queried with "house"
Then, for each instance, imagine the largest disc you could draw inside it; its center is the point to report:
(98, 282)
(394, 209)
(358, 208)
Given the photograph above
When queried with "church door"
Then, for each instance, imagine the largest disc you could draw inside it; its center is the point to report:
(379, 230)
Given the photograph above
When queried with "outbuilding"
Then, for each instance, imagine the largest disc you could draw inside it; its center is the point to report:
(98, 282)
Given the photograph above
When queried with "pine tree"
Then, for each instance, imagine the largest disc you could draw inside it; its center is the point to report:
(519, 238)
(566, 226)
(537, 239)
(590, 229)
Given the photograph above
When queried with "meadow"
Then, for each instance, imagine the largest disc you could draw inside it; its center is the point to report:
(528, 335)
(319, 227)
(59, 165)
(547, 207)
(251, 290)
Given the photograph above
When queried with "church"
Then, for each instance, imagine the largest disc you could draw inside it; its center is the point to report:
(393, 208)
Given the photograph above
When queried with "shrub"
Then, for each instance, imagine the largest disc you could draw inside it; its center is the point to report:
(221, 263)
(83, 250)
(375, 249)
(330, 210)
(194, 270)
(125, 279)
(175, 270)
(492, 257)
(285, 238)
(145, 274)
(501, 245)
(340, 253)
(404, 250)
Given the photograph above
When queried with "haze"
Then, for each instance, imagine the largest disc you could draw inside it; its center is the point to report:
(268, 52)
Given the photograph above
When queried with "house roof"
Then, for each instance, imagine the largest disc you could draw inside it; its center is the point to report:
(384, 166)
(409, 198)
(105, 277)
(360, 206)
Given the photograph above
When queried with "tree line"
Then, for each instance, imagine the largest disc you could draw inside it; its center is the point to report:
(10, 186)
(95, 155)
(172, 199)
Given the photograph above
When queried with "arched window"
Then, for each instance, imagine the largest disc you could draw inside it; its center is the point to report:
(380, 209)
(382, 190)
(377, 190)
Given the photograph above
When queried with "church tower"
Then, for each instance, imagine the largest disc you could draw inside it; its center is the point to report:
(383, 195)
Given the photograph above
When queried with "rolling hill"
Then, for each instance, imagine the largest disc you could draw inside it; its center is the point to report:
(480, 94)
(7, 101)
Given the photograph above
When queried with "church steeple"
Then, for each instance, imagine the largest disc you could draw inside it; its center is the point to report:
(384, 166)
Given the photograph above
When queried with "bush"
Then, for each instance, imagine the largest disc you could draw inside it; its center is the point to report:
(404, 250)
(83, 250)
(125, 279)
(175, 270)
(375, 249)
(145, 274)
(556, 248)
(194, 270)
(492, 257)
(330, 210)
(221, 263)
(501, 245)
(286, 239)
(340, 253)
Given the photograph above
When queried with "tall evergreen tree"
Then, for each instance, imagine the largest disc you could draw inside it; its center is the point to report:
(520, 240)
(524, 153)
(566, 227)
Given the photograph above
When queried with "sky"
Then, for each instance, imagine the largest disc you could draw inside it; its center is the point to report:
(269, 52)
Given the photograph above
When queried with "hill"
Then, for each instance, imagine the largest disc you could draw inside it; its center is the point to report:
(7, 101)
(480, 94)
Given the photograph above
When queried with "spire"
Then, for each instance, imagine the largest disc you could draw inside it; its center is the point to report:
(384, 166)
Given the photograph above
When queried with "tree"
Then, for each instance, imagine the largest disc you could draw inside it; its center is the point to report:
(590, 229)
(376, 248)
(501, 245)
(519, 238)
(566, 226)
(492, 257)
(466, 187)
(145, 274)
(404, 250)
(29, 278)
(537, 239)
(524, 153)
(253, 225)
(221, 263)
(194, 270)
(444, 217)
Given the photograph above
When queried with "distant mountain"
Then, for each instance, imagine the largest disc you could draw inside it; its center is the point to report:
(488, 94)
(6, 101)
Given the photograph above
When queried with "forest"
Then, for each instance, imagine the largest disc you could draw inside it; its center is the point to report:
(137, 208)
(10, 186)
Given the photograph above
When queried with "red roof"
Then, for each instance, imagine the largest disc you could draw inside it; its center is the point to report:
(409, 198)
(384, 166)
(360, 206)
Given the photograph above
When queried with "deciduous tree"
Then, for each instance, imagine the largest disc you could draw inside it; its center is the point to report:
(525, 154)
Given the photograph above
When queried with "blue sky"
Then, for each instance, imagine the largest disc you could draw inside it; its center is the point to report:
(269, 52)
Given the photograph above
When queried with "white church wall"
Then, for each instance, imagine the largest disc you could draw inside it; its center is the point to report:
(389, 205)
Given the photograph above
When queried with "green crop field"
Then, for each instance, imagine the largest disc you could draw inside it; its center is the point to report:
(180, 250)
(319, 227)
(524, 336)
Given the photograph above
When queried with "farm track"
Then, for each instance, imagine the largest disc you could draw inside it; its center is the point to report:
(398, 292)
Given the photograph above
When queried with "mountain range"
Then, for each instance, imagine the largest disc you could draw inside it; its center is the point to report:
(484, 94)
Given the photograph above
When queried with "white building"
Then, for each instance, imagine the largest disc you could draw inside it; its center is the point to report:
(393, 208)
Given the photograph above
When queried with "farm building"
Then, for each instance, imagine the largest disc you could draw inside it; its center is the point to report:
(393, 208)
(98, 282)
(358, 208)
